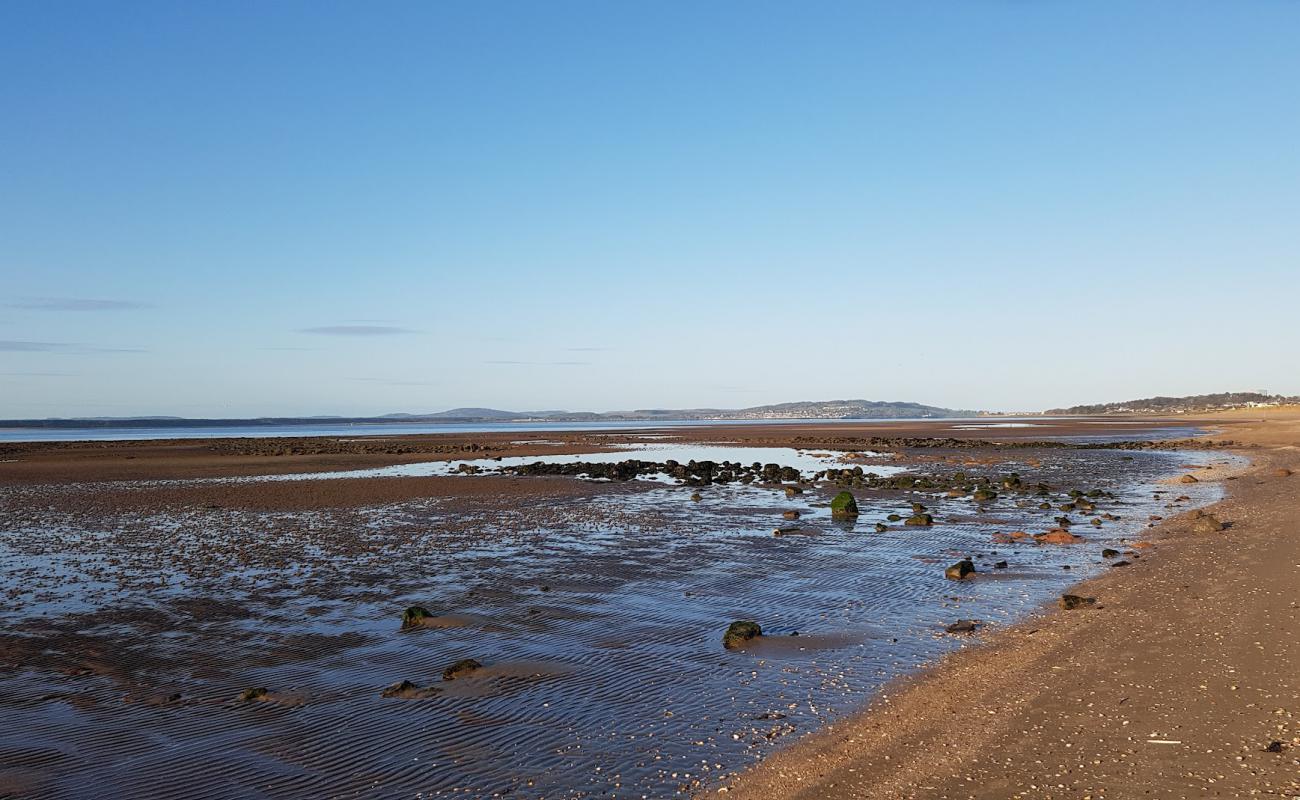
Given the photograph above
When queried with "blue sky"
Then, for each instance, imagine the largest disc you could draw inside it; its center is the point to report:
(233, 209)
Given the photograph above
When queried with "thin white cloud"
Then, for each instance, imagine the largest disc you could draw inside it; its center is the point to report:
(356, 330)
(75, 304)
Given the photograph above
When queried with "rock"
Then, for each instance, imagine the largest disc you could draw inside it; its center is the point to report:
(923, 520)
(1275, 747)
(843, 505)
(1121, 564)
(1189, 479)
(253, 693)
(1057, 536)
(985, 495)
(1070, 602)
(1002, 538)
(1207, 523)
(960, 570)
(917, 508)
(398, 689)
(791, 491)
(460, 669)
(414, 616)
(962, 626)
(894, 518)
(881, 527)
(792, 530)
(791, 514)
(1000, 565)
(740, 632)
(1282, 472)
(697, 497)
(1109, 553)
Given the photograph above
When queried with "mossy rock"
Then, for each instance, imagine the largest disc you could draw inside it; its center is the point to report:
(917, 508)
(253, 693)
(894, 518)
(881, 527)
(460, 669)
(843, 505)
(415, 616)
(985, 495)
(922, 520)
(740, 632)
(960, 570)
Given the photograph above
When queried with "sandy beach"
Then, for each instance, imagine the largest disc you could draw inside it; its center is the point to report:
(1180, 683)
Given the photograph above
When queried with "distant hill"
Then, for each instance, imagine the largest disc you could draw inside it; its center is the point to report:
(826, 409)
(1192, 404)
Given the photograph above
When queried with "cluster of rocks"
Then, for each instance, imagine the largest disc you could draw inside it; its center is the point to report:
(895, 443)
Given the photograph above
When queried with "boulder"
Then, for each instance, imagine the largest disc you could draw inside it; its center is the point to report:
(1109, 553)
(1000, 565)
(960, 570)
(460, 669)
(740, 632)
(1070, 602)
(843, 505)
(894, 518)
(881, 527)
(790, 514)
(985, 495)
(923, 520)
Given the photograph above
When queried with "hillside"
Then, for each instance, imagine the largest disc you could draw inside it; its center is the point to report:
(1191, 404)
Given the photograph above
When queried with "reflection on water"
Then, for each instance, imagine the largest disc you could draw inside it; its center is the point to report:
(599, 625)
(805, 461)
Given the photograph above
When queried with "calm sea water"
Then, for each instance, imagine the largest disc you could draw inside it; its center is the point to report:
(996, 425)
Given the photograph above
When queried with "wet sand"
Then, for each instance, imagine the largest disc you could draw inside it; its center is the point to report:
(1181, 683)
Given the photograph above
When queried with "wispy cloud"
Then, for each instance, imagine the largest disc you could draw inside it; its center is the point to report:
(540, 363)
(40, 374)
(356, 330)
(24, 346)
(74, 304)
(387, 382)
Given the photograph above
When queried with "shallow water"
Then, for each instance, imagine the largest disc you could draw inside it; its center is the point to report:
(807, 462)
(599, 623)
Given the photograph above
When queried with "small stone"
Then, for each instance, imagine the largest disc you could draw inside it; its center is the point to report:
(414, 616)
(960, 570)
(460, 669)
(962, 626)
(253, 693)
(1189, 479)
(1069, 602)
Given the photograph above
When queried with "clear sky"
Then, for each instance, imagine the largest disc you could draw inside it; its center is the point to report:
(249, 208)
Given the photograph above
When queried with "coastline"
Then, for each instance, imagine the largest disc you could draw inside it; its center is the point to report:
(1178, 684)
(226, 567)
